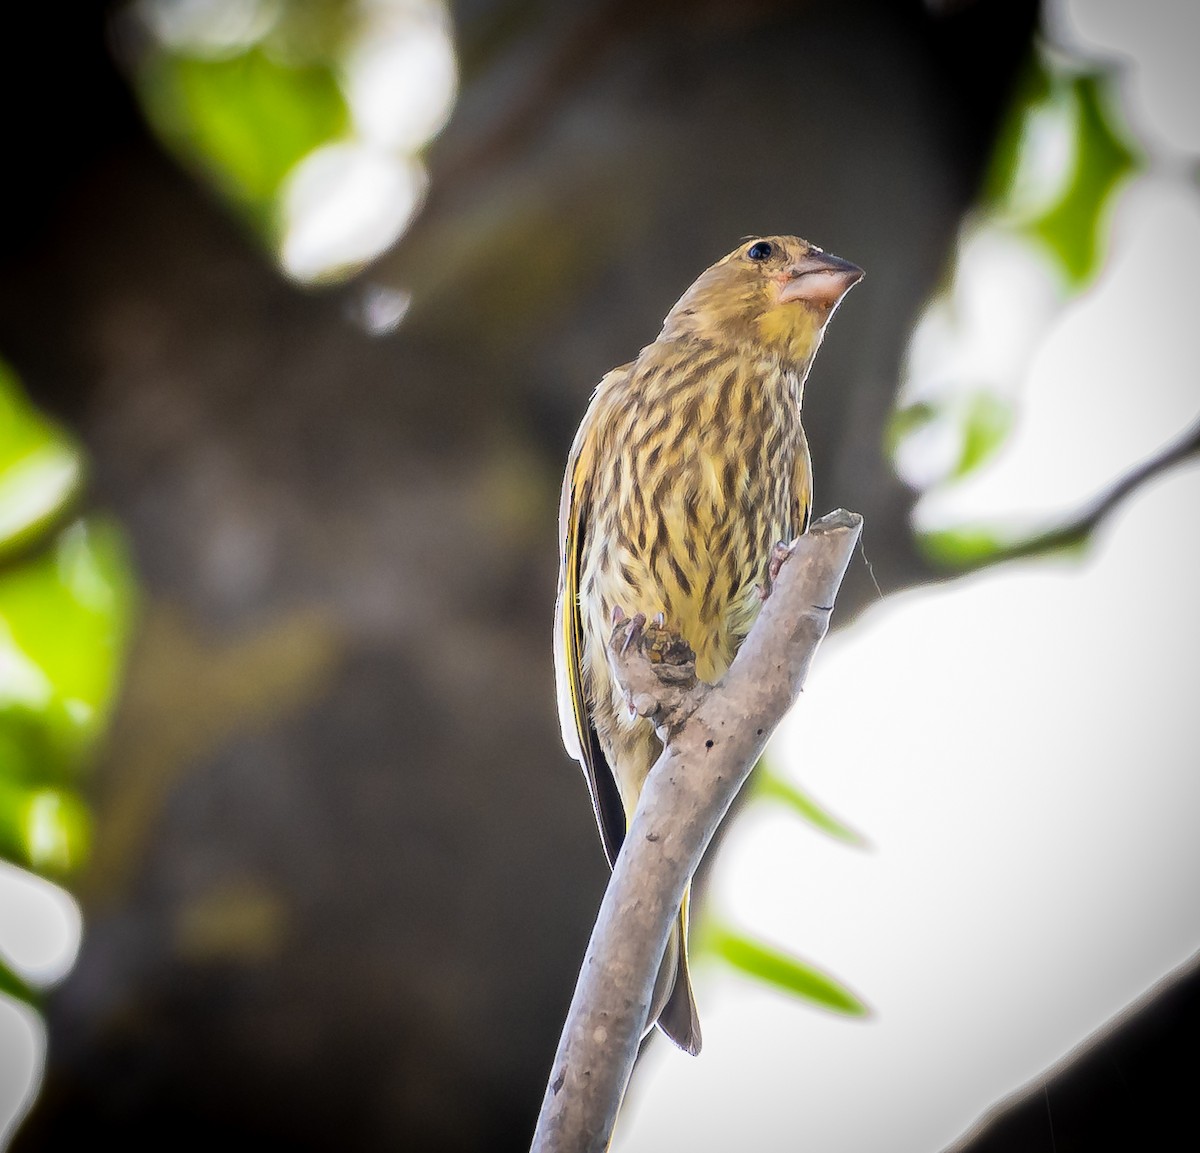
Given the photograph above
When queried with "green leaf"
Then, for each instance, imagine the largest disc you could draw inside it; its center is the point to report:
(987, 421)
(770, 787)
(64, 623)
(40, 468)
(65, 610)
(960, 547)
(245, 121)
(1072, 228)
(973, 546)
(785, 972)
(47, 830)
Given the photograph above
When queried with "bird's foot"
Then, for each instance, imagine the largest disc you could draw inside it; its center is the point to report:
(653, 665)
(779, 556)
(652, 638)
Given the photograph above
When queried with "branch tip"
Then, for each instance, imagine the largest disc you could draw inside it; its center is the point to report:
(835, 521)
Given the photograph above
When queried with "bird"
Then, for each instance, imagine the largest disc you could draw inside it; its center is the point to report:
(689, 468)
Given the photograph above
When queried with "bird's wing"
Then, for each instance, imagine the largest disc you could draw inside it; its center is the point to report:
(802, 488)
(579, 734)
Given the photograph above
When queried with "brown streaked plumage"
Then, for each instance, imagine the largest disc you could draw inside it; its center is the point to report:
(689, 466)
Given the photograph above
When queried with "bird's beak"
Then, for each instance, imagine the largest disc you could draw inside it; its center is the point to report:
(820, 279)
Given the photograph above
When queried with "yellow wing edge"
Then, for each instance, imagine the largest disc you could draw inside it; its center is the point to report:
(578, 733)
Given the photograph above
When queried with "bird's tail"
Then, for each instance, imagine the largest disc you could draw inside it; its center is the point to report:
(673, 1000)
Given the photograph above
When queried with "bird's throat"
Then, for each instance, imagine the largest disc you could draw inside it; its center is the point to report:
(793, 331)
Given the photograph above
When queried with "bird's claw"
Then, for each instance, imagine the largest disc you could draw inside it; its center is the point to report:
(659, 645)
(779, 556)
(633, 634)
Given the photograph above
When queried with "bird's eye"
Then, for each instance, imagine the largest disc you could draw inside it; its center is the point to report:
(759, 250)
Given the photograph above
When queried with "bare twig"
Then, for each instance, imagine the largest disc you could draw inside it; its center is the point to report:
(712, 737)
(1079, 528)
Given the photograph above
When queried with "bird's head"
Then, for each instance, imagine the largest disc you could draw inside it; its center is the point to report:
(775, 292)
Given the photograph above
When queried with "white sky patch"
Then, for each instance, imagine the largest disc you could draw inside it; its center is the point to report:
(1002, 301)
(40, 926)
(1158, 39)
(22, 1052)
(209, 27)
(974, 339)
(345, 204)
(400, 75)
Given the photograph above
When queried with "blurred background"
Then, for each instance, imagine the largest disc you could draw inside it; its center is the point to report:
(300, 304)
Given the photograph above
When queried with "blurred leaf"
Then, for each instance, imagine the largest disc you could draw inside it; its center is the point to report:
(11, 984)
(1071, 229)
(64, 614)
(40, 468)
(960, 547)
(974, 547)
(1009, 153)
(64, 624)
(64, 620)
(773, 788)
(987, 420)
(1057, 160)
(784, 972)
(47, 830)
(246, 120)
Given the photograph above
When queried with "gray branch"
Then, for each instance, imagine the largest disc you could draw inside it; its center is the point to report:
(712, 738)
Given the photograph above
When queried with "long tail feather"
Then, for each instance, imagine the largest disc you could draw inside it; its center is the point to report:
(678, 1018)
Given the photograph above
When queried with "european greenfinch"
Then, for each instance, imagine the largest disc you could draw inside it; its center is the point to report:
(689, 467)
